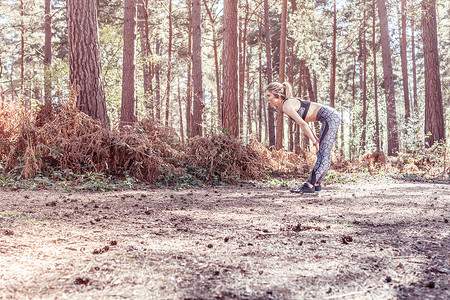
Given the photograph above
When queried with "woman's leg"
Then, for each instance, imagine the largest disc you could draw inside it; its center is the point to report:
(330, 124)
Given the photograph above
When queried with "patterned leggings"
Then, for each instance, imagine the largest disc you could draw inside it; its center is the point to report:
(330, 120)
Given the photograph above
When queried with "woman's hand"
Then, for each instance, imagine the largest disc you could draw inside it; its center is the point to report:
(316, 145)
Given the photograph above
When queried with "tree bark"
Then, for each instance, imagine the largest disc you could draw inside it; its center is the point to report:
(230, 120)
(180, 112)
(413, 58)
(280, 117)
(270, 112)
(242, 67)
(197, 123)
(127, 112)
(216, 61)
(434, 112)
(84, 58)
(249, 102)
(333, 60)
(393, 141)
(48, 53)
(22, 48)
(145, 52)
(158, 82)
(169, 64)
(260, 99)
(375, 84)
(364, 95)
(404, 64)
(189, 75)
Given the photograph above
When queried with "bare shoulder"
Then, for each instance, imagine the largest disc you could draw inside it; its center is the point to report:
(291, 104)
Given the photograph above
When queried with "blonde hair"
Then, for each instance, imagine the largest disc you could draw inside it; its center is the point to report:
(282, 89)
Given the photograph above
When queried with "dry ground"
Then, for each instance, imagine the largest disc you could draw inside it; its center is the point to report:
(378, 239)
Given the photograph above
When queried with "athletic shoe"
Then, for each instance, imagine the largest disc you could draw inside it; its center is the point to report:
(304, 189)
(318, 188)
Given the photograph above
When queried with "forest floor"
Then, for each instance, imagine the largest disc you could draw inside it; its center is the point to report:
(376, 238)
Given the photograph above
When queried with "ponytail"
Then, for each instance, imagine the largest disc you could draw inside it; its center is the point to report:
(283, 89)
(287, 90)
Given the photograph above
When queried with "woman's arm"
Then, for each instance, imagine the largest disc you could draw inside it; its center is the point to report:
(291, 112)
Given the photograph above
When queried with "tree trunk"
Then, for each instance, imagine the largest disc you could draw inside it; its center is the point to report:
(127, 114)
(22, 48)
(333, 60)
(197, 68)
(375, 84)
(291, 80)
(364, 98)
(169, 64)
(434, 113)
(158, 82)
(180, 112)
(352, 150)
(404, 64)
(393, 142)
(260, 99)
(300, 94)
(189, 75)
(249, 102)
(145, 53)
(230, 120)
(270, 112)
(413, 58)
(48, 53)
(242, 62)
(216, 61)
(280, 117)
(84, 58)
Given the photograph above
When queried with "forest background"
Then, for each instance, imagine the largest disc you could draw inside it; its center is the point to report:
(176, 64)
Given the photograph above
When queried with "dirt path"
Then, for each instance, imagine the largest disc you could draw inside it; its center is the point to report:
(376, 240)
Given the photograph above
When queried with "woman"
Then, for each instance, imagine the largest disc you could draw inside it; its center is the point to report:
(279, 95)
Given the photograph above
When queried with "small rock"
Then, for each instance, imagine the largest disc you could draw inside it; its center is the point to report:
(347, 239)
(81, 280)
(430, 285)
(8, 232)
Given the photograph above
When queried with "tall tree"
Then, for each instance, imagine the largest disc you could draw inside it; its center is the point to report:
(404, 62)
(48, 52)
(127, 115)
(270, 111)
(197, 67)
(242, 66)
(142, 10)
(375, 84)
(230, 108)
(260, 107)
(169, 64)
(393, 141)
(280, 119)
(216, 59)
(434, 113)
(158, 80)
(189, 74)
(22, 47)
(333, 59)
(84, 58)
(413, 58)
(364, 94)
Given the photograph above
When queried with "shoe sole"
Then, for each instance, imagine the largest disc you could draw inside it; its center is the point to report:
(309, 194)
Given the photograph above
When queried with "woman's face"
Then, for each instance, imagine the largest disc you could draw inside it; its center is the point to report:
(272, 99)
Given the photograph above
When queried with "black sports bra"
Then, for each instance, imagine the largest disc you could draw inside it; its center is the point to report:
(304, 107)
